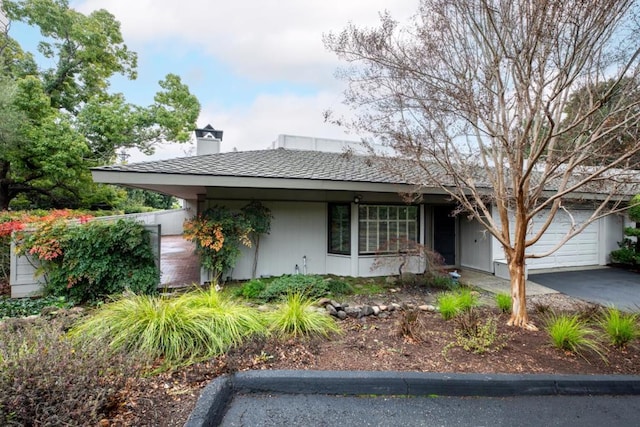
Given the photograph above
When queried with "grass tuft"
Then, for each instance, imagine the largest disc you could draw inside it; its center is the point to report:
(297, 317)
(451, 303)
(194, 326)
(620, 328)
(573, 334)
(503, 301)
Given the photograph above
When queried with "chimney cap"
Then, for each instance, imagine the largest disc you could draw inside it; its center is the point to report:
(209, 132)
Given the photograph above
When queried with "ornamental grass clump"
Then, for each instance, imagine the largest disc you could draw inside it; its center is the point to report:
(231, 320)
(297, 317)
(182, 330)
(451, 303)
(620, 328)
(573, 334)
(503, 301)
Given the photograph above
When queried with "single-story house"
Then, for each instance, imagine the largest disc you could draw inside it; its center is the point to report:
(332, 211)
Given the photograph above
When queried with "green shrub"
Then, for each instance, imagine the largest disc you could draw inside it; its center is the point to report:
(441, 282)
(194, 326)
(503, 301)
(339, 287)
(29, 306)
(90, 261)
(308, 286)
(571, 333)
(297, 317)
(625, 255)
(46, 380)
(251, 289)
(476, 336)
(619, 327)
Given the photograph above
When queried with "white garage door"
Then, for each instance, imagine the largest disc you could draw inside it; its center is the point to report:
(579, 251)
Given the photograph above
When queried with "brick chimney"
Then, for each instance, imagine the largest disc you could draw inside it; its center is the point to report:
(208, 140)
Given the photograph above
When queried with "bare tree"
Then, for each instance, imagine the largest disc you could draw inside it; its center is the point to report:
(475, 93)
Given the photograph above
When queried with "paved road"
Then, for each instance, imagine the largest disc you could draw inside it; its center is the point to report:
(606, 286)
(524, 411)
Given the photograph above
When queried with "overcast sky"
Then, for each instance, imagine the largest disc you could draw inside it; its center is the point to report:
(258, 67)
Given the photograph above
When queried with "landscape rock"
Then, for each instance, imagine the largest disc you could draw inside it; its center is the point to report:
(322, 302)
(341, 315)
(331, 310)
(367, 310)
(353, 312)
(376, 310)
(336, 305)
(427, 307)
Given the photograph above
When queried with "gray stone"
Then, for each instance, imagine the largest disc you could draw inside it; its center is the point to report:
(367, 310)
(336, 305)
(383, 308)
(341, 315)
(427, 307)
(394, 306)
(323, 302)
(331, 310)
(376, 310)
(353, 312)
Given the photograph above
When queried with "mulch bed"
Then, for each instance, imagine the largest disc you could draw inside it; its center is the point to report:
(376, 343)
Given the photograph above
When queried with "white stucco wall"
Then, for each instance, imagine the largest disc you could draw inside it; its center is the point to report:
(298, 229)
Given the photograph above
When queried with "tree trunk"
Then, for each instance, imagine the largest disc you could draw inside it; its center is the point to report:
(255, 257)
(519, 316)
(4, 196)
(516, 260)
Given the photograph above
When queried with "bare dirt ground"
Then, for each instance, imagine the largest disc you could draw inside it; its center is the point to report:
(377, 343)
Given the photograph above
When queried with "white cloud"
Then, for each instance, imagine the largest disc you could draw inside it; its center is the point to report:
(261, 39)
(256, 126)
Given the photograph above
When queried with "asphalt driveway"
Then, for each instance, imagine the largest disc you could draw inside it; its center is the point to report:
(605, 286)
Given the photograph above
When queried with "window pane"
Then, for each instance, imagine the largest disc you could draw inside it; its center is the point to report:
(402, 212)
(383, 212)
(373, 212)
(387, 228)
(393, 212)
(413, 212)
(339, 229)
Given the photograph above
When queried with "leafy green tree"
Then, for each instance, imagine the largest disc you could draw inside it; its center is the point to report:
(58, 122)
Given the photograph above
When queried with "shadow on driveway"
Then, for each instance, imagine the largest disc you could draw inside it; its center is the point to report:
(604, 286)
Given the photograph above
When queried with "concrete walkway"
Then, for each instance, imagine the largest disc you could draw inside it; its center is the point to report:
(178, 262)
(494, 284)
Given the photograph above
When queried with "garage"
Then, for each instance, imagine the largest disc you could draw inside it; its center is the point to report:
(583, 249)
(591, 247)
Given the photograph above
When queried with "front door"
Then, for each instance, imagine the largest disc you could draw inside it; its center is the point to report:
(444, 233)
